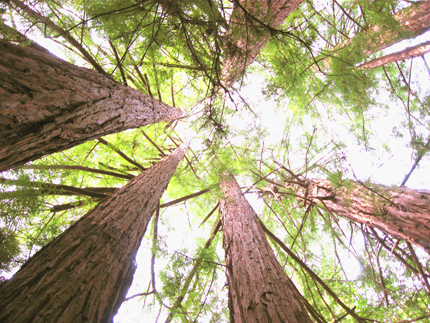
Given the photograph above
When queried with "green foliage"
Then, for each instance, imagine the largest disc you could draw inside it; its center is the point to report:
(9, 249)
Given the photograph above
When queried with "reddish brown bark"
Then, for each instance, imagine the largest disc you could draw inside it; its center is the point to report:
(48, 105)
(260, 291)
(414, 21)
(401, 212)
(84, 274)
(251, 26)
(409, 52)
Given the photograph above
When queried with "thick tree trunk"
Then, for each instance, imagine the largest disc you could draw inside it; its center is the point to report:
(407, 53)
(84, 274)
(251, 26)
(48, 105)
(401, 212)
(260, 291)
(414, 21)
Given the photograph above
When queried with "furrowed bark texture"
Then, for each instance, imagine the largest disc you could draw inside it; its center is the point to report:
(249, 32)
(84, 274)
(48, 105)
(401, 212)
(260, 291)
(407, 53)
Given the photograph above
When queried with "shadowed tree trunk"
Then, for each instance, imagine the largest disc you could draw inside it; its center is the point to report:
(48, 105)
(401, 212)
(259, 290)
(250, 28)
(84, 274)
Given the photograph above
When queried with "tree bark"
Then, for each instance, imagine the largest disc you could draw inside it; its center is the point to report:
(48, 105)
(259, 290)
(409, 52)
(251, 26)
(84, 274)
(400, 212)
(414, 21)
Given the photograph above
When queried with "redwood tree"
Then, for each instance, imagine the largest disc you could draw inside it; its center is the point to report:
(401, 212)
(259, 289)
(252, 25)
(412, 22)
(84, 274)
(48, 105)
(169, 55)
(407, 53)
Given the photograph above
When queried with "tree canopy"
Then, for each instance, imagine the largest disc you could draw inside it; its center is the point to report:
(274, 93)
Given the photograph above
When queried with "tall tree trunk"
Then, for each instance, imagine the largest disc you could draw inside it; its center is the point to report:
(250, 28)
(401, 212)
(48, 105)
(409, 52)
(84, 274)
(414, 21)
(260, 291)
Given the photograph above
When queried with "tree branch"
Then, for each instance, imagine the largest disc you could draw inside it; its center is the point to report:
(83, 168)
(65, 34)
(119, 152)
(184, 198)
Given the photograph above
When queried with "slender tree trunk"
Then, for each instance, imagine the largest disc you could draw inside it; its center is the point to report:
(407, 53)
(260, 291)
(84, 274)
(251, 26)
(401, 212)
(48, 105)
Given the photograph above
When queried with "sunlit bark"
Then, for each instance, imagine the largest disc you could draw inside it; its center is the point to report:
(413, 21)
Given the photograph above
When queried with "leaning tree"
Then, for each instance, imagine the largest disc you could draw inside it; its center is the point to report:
(84, 274)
